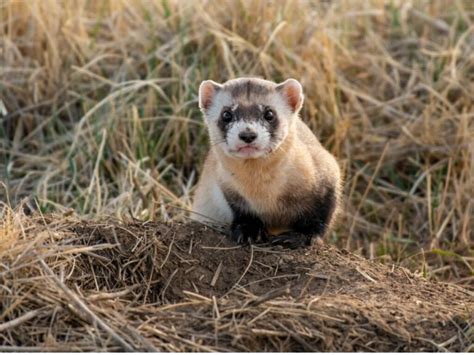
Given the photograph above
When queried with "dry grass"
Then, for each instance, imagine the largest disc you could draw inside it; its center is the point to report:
(100, 115)
(67, 284)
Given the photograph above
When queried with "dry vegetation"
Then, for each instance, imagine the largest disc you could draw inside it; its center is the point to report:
(80, 285)
(99, 116)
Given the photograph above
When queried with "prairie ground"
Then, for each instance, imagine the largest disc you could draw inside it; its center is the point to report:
(99, 119)
(79, 285)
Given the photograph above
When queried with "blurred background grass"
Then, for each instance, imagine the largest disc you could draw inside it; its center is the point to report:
(98, 108)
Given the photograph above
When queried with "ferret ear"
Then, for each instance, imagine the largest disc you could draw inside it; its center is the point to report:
(207, 91)
(292, 90)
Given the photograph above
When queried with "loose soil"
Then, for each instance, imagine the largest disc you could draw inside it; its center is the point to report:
(185, 287)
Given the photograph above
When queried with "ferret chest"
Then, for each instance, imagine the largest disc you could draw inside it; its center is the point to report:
(260, 190)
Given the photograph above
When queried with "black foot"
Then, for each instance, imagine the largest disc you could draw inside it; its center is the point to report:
(244, 233)
(291, 240)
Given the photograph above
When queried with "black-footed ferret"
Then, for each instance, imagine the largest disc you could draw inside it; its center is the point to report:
(266, 173)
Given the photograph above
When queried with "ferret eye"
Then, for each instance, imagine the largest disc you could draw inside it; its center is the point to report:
(268, 115)
(226, 116)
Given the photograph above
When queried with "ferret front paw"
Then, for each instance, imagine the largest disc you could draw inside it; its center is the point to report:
(291, 240)
(244, 233)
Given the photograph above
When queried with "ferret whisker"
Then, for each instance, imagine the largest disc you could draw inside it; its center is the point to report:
(280, 149)
(214, 143)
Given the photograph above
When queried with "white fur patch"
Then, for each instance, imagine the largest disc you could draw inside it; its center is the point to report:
(261, 143)
(221, 99)
(211, 206)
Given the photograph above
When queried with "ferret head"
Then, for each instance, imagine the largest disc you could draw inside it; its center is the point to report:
(249, 118)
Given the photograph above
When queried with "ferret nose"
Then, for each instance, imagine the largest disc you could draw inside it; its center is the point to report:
(248, 136)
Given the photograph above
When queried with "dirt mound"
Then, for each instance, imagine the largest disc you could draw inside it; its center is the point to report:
(69, 285)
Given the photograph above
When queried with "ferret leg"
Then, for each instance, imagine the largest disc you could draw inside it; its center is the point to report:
(302, 232)
(292, 240)
(247, 228)
(314, 222)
